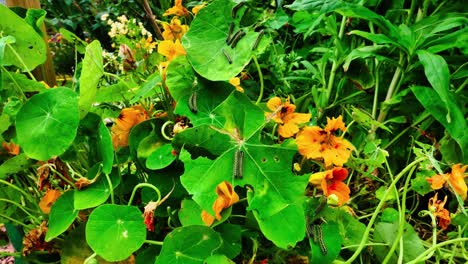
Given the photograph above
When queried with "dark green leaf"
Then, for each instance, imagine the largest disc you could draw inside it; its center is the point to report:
(14, 165)
(62, 215)
(160, 158)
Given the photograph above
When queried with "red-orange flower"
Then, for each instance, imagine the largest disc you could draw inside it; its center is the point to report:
(437, 208)
(331, 182)
(226, 197)
(283, 114)
(11, 148)
(456, 180)
(48, 200)
(128, 118)
(317, 143)
(178, 9)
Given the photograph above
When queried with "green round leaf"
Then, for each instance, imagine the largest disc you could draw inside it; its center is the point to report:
(190, 213)
(189, 245)
(28, 44)
(180, 78)
(206, 46)
(332, 241)
(47, 124)
(160, 158)
(62, 215)
(105, 148)
(217, 259)
(114, 232)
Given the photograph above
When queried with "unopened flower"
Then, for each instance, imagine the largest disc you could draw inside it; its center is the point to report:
(284, 114)
(331, 182)
(317, 143)
(148, 215)
(226, 197)
(455, 179)
(437, 208)
(11, 148)
(178, 9)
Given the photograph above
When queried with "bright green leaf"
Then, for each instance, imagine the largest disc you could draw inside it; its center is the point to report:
(105, 148)
(160, 158)
(91, 73)
(14, 165)
(62, 215)
(29, 45)
(190, 213)
(47, 124)
(218, 259)
(332, 241)
(114, 232)
(189, 245)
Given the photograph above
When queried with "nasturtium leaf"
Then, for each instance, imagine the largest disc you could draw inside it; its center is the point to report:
(189, 245)
(28, 44)
(145, 138)
(35, 18)
(148, 88)
(12, 81)
(202, 139)
(180, 78)
(332, 241)
(62, 215)
(190, 213)
(420, 184)
(205, 43)
(114, 232)
(218, 259)
(14, 165)
(208, 96)
(285, 227)
(46, 125)
(231, 235)
(381, 192)
(105, 148)
(160, 158)
(121, 91)
(96, 193)
(91, 73)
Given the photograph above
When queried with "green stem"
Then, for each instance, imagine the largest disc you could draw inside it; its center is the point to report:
(163, 130)
(141, 185)
(423, 256)
(17, 86)
(62, 177)
(260, 75)
(19, 190)
(13, 220)
(379, 207)
(86, 261)
(153, 242)
(111, 188)
(22, 209)
(21, 61)
(402, 220)
(406, 129)
(392, 87)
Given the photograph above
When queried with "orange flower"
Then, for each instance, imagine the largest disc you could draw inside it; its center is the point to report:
(317, 143)
(178, 9)
(171, 49)
(331, 182)
(437, 208)
(283, 114)
(174, 30)
(11, 148)
(48, 200)
(236, 83)
(197, 8)
(128, 118)
(456, 180)
(226, 197)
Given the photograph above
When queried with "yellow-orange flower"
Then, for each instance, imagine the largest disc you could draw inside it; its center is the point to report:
(331, 182)
(197, 8)
(456, 179)
(171, 49)
(147, 44)
(236, 83)
(174, 30)
(437, 208)
(48, 200)
(178, 9)
(128, 118)
(283, 114)
(11, 148)
(226, 197)
(317, 143)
